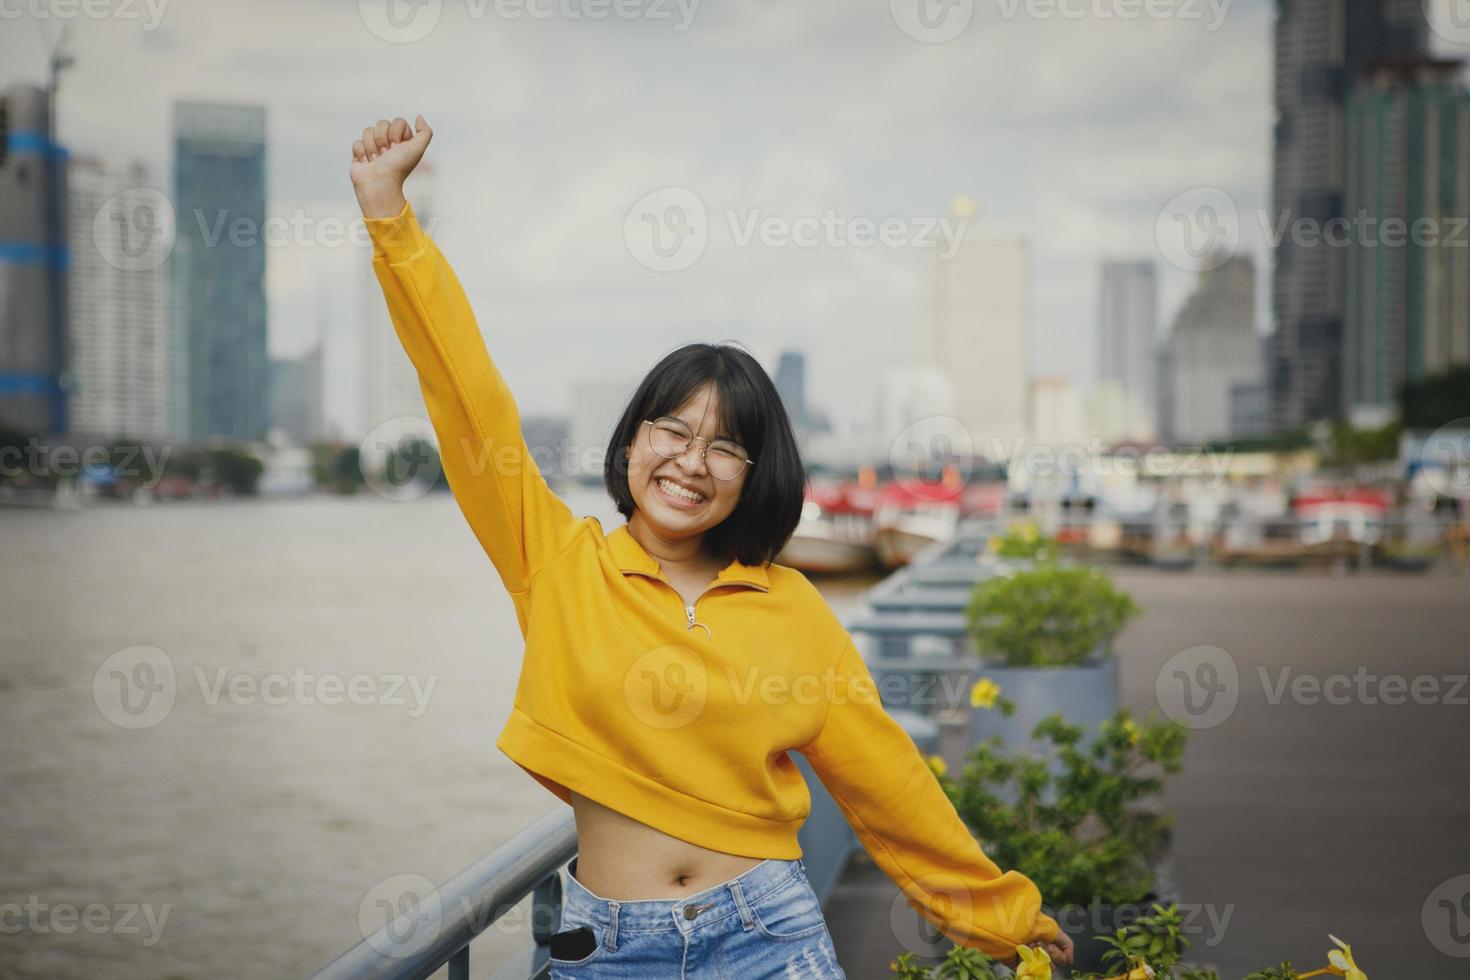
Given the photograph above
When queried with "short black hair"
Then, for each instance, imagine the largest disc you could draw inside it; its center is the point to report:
(752, 413)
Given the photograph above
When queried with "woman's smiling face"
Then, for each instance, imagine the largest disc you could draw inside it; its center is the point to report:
(704, 501)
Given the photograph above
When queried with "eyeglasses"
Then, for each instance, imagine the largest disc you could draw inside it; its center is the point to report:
(671, 438)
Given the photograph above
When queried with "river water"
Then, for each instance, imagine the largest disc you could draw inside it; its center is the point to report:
(341, 668)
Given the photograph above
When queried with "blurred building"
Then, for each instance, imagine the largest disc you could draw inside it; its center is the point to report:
(1321, 48)
(1407, 313)
(596, 407)
(913, 400)
(390, 385)
(296, 396)
(217, 355)
(1058, 415)
(33, 333)
(118, 297)
(790, 381)
(1211, 352)
(974, 327)
(1127, 348)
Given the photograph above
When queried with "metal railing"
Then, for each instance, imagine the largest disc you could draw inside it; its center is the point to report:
(427, 935)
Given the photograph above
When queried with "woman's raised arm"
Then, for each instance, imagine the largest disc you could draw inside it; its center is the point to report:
(520, 523)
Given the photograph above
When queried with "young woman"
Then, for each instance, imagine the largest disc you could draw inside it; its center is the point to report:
(670, 666)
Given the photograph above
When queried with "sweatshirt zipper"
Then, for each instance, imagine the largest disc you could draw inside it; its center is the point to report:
(689, 606)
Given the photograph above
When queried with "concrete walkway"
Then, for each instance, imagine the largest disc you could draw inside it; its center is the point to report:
(1295, 816)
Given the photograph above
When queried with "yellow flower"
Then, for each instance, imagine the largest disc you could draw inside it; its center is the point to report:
(1133, 733)
(1342, 961)
(937, 763)
(984, 693)
(1035, 964)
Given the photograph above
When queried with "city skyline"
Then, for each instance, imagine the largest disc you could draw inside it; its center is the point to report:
(537, 235)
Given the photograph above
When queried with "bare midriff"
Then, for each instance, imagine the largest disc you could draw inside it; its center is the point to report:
(621, 858)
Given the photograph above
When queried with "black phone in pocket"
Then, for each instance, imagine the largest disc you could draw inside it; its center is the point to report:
(572, 944)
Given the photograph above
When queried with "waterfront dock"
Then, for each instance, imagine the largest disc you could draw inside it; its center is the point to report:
(1301, 817)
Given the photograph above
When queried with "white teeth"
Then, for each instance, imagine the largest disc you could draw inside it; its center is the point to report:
(678, 491)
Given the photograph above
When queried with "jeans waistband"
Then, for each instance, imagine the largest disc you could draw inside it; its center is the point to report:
(664, 914)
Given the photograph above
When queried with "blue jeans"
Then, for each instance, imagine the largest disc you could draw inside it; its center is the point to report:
(764, 923)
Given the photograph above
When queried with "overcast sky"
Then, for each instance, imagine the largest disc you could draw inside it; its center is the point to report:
(1074, 131)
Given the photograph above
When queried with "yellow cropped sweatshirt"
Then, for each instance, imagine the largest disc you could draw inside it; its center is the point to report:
(679, 715)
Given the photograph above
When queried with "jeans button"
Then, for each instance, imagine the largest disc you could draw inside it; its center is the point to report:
(690, 911)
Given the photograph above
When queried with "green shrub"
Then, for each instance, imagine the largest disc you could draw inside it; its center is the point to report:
(1046, 616)
(1077, 833)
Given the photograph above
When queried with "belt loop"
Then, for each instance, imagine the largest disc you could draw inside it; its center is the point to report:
(612, 924)
(746, 921)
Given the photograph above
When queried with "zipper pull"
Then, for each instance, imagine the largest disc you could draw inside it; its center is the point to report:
(689, 611)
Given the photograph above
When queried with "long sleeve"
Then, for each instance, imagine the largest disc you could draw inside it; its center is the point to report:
(520, 523)
(909, 826)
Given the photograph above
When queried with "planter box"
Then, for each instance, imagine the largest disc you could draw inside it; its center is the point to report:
(1082, 924)
(1086, 695)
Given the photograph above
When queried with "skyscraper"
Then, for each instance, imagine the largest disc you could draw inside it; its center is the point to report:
(790, 382)
(974, 328)
(1321, 48)
(1127, 346)
(1213, 354)
(218, 345)
(1408, 290)
(33, 341)
(118, 303)
(296, 395)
